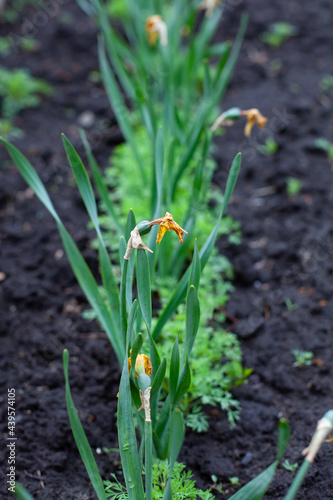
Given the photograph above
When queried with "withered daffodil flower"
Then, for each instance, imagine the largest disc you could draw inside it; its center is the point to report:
(155, 28)
(166, 223)
(142, 365)
(253, 116)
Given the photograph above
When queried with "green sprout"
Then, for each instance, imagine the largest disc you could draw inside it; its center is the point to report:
(269, 147)
(233, 481)
(278, 33)
(326, 146)
(326, 83)
(289, 466)
(4, 46)
(293, 187)
(303, 358)
(290, 305)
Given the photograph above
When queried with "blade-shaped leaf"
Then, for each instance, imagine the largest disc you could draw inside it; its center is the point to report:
(21, 493)
(100, 184)
(256, 489)
(158, 381)
(118, 106)
(81, 438)
(85, 188)
(192, 319)
(174, 371)
(177, 434)
(78, 264)
(127, 439)
(180, 291)
(143, 283)
(184, 382)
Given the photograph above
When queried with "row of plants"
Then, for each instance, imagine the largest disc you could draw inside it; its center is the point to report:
(164, 76)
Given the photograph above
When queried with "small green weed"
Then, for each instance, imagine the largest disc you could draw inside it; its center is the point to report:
(326, 146)
(326, 83)
(220, 487)
(269, 147)
(290, 467)
(293, 186)
(5, 46)
(303, 358)
(19, 90)
(278, 33)
(290, 305)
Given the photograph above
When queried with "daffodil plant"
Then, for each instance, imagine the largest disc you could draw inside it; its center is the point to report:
(161, 426)
(161, 59)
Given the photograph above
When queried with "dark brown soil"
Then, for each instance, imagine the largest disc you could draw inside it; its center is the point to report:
(286, 253)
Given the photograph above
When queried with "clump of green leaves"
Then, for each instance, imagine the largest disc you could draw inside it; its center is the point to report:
(20, 90)
(278, 33)
(183, 486)
(303, 358)
(216, 361)
(269, 147)
(294, 186)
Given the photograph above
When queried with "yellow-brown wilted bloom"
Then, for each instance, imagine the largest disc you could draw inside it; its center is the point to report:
(253, 116)
(167, 223)
(208, 6)
(142, 365)
(155, 28)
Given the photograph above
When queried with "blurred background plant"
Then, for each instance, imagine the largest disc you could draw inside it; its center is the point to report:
(293, 186)
(278, 33)
(18, 90)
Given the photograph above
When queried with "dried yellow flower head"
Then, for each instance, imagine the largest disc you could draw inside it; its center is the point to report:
(208, 6)
(167, 223)
(155, 28)
(142, 365)
(253, 116)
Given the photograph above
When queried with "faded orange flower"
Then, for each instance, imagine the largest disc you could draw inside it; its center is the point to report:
(142, 365)
(167, 223)
(253, 116)
(208, 6)
(156, 27)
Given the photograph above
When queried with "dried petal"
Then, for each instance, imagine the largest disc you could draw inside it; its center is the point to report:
(253, 116)
(167, 223)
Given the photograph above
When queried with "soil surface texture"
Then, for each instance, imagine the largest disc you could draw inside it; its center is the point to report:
(283, 267)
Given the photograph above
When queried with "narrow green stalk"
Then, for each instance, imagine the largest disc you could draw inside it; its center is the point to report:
(123, 309)
(298, 480)
(148, 461)
(324, 427)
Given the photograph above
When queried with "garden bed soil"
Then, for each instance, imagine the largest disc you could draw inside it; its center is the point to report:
(285, 259)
